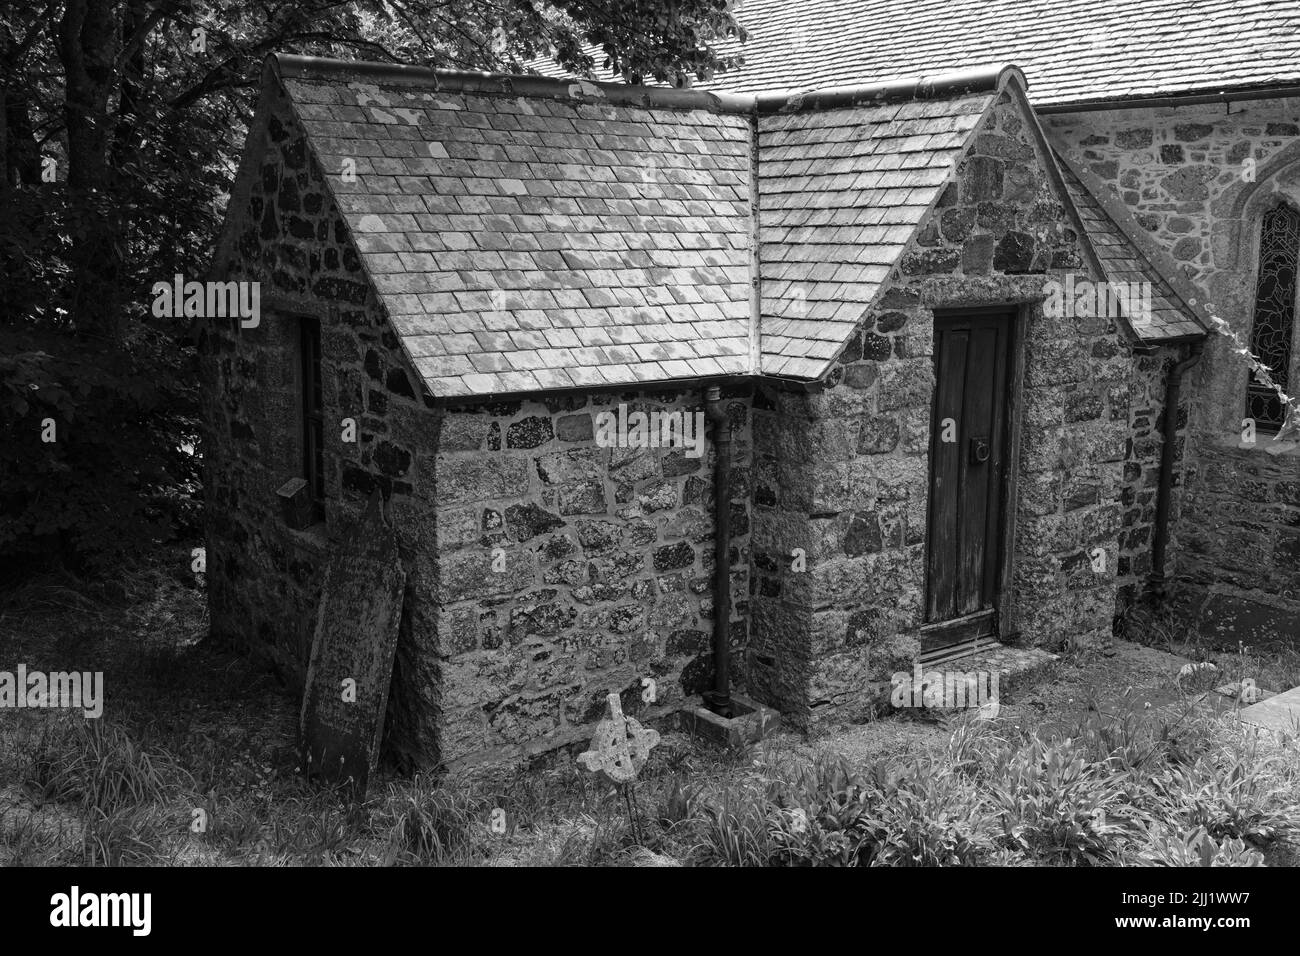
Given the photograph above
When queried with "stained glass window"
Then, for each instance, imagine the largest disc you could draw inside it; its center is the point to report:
(1275, 304)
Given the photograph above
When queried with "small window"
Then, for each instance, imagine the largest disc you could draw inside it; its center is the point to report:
(313, 417)
(1275, 305)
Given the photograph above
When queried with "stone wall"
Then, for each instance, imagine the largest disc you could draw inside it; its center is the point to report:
(843, 473)
(1195, 180)
(567, 570)
(1147, 384)
(839, 527)
(1180, 169)
(1241, 524)
(287, 234)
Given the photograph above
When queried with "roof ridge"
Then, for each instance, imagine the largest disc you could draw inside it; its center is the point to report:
(981, 79)
(293, 66)
(965, 82)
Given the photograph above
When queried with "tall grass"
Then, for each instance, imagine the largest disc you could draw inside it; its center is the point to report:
(99, 766)
(189, 728)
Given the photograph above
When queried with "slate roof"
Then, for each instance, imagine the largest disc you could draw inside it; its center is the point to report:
(523, 244)
(841, 193)
(1072, 51)
(525, 235)
(1122, 262)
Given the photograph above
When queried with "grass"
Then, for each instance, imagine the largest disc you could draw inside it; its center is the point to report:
(194, 764)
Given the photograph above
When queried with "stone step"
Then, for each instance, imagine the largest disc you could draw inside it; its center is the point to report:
(1280, 712)
(1234, 693)
(1017, 669)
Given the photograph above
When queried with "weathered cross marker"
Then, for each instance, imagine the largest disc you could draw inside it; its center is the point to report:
(619, 749)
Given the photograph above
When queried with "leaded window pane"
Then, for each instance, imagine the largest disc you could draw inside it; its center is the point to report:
(1275, 299)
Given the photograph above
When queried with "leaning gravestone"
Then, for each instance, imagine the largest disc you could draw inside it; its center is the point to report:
(352, 654)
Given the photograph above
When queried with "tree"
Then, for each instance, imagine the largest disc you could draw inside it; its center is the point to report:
(120, 128)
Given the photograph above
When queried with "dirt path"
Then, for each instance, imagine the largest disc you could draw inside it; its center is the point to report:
(1110, 678)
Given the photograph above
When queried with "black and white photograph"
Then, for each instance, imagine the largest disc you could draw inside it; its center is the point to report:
(650, 434)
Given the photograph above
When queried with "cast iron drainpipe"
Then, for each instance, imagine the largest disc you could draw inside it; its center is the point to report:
(1165, 491)
(719, 699)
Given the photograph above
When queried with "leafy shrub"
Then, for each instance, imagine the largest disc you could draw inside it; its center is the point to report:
(924, 815)
(1195, 849)
(820, 813)
(1057, 804)
(1229, 802)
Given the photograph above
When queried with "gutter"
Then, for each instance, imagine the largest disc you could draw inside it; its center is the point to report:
(809, 386)
(1195, 97)
(729, 380)
(718, 700)
(1156, 580)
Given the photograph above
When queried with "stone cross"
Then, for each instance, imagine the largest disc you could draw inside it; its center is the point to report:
(619, 747)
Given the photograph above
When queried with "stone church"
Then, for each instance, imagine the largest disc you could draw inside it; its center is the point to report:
(970, 319)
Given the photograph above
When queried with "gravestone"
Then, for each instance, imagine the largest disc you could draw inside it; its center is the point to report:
(1280, 712)
(351, 664)
(619, 747)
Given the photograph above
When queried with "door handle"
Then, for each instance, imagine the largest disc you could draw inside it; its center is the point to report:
(979, 451)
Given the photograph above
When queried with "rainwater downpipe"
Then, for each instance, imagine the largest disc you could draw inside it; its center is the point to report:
(718, 700)
(1165, 490)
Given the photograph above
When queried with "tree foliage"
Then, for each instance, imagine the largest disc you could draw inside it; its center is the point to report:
(120, 128)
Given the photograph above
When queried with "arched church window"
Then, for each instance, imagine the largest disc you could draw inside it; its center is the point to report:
(1273, 328)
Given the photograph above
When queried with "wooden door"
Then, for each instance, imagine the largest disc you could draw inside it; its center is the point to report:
(968, 464)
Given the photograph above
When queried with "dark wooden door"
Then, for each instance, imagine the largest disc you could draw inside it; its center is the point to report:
(968, 462)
